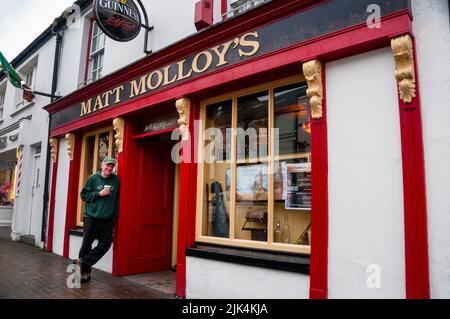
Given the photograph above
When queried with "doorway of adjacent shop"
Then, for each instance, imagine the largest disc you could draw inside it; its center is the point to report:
(155, 214)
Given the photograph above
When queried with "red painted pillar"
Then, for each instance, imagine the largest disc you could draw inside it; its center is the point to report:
(319, 212)
(123, 233)
(51, 215)
(187, 202)
(414, 192)
(72, 194)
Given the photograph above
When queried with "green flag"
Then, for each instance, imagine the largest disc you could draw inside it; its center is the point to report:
(10, 73)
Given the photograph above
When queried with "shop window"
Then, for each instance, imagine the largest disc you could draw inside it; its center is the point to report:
(7, 178)
(96, 146)
(96, 52)
(255, 180)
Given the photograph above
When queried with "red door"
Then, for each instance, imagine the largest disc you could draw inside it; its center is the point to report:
(153, 209)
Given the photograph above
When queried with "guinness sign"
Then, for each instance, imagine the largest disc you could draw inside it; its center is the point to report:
(118, 19)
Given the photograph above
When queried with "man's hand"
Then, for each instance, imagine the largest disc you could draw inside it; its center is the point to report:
(105, 192)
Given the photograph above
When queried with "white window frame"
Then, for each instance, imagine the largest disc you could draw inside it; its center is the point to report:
(2, 103)
(239, 6)
(29, 81)
(99, 38)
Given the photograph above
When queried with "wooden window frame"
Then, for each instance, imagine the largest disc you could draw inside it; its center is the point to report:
(232, 241)
(82, 178)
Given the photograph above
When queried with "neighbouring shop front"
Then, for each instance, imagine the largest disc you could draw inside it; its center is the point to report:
(222, 150)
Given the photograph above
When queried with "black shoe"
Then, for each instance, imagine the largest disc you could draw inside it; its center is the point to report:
(85, 278)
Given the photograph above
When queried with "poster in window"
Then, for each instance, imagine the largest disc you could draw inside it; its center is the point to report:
(298, 186)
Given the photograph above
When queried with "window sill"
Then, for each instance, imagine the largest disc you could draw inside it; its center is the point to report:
(76, 232)
(297, 263)
(23, 108)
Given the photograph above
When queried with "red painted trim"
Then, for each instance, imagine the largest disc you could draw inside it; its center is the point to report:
(187, 204)
(51, 217)
(123, 238)
(414, 194)
(343, 43)
(223, 9)
(167, 130)
(72, 194)
(88, 54)
(319, 216)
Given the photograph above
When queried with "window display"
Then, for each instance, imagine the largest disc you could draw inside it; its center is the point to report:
(257, 172)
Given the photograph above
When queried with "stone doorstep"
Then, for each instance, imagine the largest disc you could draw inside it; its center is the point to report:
(28, 239)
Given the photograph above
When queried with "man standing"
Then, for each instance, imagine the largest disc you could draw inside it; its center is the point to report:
(101, 194)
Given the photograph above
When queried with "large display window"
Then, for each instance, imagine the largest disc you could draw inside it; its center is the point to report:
(255, 177)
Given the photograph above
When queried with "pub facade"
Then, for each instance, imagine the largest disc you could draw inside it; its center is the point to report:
(280, 153)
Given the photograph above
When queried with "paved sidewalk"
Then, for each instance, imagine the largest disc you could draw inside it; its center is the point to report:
(26, 272)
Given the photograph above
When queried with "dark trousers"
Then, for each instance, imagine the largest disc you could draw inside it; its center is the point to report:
(95, 228)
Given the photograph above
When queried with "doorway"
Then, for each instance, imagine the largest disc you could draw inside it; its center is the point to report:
(153, 207)
(35, 187)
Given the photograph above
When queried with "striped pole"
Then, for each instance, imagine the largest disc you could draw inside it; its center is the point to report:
(19, 168)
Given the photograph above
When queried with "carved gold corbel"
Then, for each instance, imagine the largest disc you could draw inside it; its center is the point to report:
(312, 70)
(70, 138)
(119, 124)
(53, 149)
(402, 48)
(183, 107)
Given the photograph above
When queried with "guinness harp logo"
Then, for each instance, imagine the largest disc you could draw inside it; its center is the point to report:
(118, 19)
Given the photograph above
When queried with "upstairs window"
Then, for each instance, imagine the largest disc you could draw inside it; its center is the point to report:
(2, 102)
(240, 6)
(28, 75)
(96, 52)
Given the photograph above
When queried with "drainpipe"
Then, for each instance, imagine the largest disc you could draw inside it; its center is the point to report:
(57, 30)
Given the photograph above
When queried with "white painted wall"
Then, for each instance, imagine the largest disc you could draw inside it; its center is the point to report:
(172, 20)
(28, 217)
(366, 223)
(104, 264)
(209, 279)
(432, 31)
(62, 183)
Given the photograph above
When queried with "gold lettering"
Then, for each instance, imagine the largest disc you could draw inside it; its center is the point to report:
(249, 43)
(86, 107)
(195, 65)
(118, 90)
(181, 76)
(98, 104)
(105, 97)
(158, 82)
(167, 75)
(222, 54)
(138, 89)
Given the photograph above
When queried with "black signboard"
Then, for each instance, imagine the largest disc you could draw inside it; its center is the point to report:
(118, 19)
(160, 123)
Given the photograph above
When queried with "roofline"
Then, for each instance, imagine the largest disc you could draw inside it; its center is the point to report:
(40, 40)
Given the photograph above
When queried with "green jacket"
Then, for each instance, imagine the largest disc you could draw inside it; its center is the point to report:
(101, 207)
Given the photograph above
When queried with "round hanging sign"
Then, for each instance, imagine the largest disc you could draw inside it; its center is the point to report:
(118, 19)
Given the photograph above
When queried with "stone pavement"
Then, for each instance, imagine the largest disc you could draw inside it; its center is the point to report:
(27, 272)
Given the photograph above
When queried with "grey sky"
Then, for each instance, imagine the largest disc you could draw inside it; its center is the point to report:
(22, 21)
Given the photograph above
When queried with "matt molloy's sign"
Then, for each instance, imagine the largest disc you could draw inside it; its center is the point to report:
(203, 62)
(118, 19)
